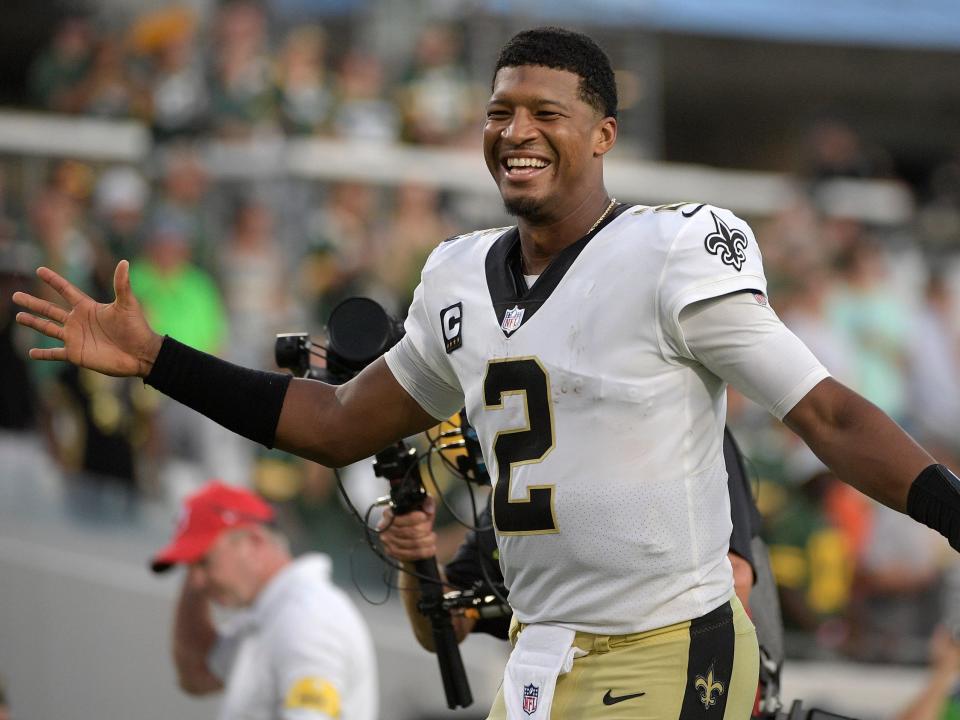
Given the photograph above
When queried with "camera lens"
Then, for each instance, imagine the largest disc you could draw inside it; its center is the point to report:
(360, 331)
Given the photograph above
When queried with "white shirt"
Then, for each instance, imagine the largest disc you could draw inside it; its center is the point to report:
(601, 426)
(301, 652)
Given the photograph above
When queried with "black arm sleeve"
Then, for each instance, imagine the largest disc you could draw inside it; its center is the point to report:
(246, 401)
(743, 510)
(934, 500)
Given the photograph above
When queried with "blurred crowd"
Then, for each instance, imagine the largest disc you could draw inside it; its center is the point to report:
(225, 264)
(879, 307)
(239, 78)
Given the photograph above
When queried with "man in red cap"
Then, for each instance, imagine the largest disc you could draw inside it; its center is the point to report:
(296, 648)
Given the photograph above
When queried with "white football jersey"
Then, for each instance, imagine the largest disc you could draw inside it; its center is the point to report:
(601, 433)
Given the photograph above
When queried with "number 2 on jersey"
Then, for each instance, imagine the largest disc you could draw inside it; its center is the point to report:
(522, 445)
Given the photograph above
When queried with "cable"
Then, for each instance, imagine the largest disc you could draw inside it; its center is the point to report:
(370, 535)
(346, 498)
(452, 467)
(356, 582)
(443, 499)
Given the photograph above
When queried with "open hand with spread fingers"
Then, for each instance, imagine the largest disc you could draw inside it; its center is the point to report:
(113, 338)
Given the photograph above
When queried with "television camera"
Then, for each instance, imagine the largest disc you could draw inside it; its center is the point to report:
(359, 331)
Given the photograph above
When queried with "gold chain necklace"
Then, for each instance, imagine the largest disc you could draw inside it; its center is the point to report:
(613, 201)
(603, 216)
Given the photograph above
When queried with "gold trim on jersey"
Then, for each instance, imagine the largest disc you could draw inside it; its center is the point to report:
(661, 208)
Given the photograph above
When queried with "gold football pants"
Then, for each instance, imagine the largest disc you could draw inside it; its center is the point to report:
(701, 669)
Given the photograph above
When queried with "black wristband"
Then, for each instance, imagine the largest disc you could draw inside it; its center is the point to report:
(246, 401)
(934, 500)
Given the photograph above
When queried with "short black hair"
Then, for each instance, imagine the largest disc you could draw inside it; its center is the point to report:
(561, 49)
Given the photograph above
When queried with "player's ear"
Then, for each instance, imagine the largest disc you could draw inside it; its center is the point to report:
(604, 136)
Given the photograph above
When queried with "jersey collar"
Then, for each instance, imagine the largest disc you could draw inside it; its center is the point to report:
(508, 289)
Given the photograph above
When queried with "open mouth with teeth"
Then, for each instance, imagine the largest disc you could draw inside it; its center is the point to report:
(524, 167)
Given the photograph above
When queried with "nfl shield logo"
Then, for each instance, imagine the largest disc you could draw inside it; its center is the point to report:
(531, 693)
(512, 319)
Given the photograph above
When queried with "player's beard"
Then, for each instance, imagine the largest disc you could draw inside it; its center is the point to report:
(525, 208)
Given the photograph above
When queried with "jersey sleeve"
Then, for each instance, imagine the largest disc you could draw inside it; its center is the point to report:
(740, 339)
(714, 253)
(420, 364)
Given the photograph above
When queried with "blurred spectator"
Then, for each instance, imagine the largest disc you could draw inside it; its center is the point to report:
(56, 225)
(179, 298)
(98, 424)
(241, 93)
(789, 237)
(256, 285)
(184, 195)
(934, 372)
(304, 96)
(898, 589)
(74, 179)
(317, 518)
(296, 646)
(362, 112)
(414, 228)
(18, 402)
(437, 98)
(338, 263)
(119, 202)
(182, 300)
(809, 556)
(92, 423)
(58, 69)
(836, 150)
(108, 88)
(864, 309)
(178, 99)
(940, 697)
(939, 218)
(802, 305)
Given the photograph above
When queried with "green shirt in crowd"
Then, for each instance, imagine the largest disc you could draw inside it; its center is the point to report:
(185, 304)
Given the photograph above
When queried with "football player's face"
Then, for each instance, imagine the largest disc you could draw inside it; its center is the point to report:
(542, 142)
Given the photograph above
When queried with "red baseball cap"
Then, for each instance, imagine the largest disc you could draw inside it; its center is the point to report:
(205, 514)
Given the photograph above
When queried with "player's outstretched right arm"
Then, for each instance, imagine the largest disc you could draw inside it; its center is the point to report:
(113, 339)
(331, 425)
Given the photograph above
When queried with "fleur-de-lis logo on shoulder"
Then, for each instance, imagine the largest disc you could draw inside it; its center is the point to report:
(709, 689)
(727, 243)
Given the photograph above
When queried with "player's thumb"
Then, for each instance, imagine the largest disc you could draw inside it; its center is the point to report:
(121, 284)
(429, 507)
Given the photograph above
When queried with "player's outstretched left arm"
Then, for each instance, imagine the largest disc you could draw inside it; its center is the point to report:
(741, 340)
(868, 450)
(114, 339)
(859, 442)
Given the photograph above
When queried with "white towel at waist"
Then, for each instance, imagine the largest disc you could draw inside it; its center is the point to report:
(542, 653)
